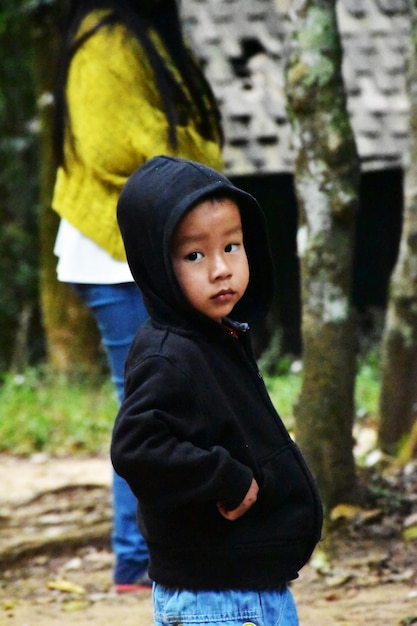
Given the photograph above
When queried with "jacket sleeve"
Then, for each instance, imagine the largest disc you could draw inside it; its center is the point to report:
(160, 444)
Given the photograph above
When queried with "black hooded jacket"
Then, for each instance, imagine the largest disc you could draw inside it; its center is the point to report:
(197, 424)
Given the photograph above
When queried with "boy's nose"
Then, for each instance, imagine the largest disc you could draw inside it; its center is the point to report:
(220, 268)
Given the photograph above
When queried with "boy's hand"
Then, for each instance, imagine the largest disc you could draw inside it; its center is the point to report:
(246, 503)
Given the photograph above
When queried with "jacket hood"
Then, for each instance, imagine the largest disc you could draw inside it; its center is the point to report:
(151, 204)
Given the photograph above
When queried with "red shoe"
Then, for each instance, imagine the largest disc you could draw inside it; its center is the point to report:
(134, 587)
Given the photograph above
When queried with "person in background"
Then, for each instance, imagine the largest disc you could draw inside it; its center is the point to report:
(127, 88)
(227, 504)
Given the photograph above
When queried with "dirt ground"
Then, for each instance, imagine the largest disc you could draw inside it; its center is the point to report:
(55, 561)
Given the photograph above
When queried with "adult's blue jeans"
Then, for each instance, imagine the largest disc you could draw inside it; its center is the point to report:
(119, 311)
(223, 608)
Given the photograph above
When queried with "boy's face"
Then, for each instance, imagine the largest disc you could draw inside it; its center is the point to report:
(209, 257)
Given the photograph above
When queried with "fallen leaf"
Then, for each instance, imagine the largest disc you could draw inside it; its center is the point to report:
(353, 512)
(344, 511)
(331, 597)
(410, 520)
(410, 533)
(75, 605)
(407, 574)
(65, 586)
(320, 563)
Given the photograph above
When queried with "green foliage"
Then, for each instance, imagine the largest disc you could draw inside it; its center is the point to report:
(43, 413)
(368, 384)
(18, 180)
(284, 388)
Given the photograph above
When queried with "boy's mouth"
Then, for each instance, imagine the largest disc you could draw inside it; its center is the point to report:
(223, 294)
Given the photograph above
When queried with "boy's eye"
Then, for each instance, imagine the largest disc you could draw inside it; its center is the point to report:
(194, 256)
(231, 247)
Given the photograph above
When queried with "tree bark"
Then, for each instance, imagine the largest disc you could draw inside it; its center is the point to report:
(398, 397)
(72, 340)
(326, 182)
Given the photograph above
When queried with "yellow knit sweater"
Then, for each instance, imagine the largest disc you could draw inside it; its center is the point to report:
(118, 123)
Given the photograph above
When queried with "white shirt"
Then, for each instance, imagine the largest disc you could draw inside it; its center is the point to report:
(81, 260)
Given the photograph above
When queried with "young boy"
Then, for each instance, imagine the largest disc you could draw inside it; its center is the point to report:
(228, 507)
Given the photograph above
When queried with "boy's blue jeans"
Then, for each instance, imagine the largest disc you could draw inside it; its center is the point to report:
(223, 608)
(119, 311)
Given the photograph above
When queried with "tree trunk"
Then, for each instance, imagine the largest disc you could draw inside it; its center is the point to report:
(398, 398)
(72, 340)
(326, 181)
